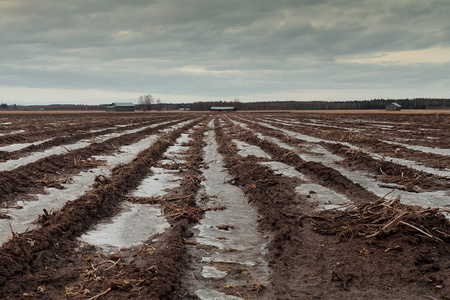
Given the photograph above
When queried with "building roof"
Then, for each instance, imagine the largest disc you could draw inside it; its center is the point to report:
(396, 104)
(222, 107)
(115, 104)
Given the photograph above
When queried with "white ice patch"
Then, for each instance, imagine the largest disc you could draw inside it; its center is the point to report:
(54, 199)
(403, 162)
(207, 294)
(436, 199)
(103, 129)
(13, 132)
(12, 164)
(212, 272)
(15, 147)
(158, 184)
(135, 224)
(438, 151)
(284, 169)
(246, 149)
(242, 244)
(325, 198)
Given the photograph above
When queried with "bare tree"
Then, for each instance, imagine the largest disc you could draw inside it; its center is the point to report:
(158, 104)
(146, 101)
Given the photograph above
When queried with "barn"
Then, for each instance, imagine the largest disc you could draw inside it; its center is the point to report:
(393, 107)
(120, 106)
(223, 108)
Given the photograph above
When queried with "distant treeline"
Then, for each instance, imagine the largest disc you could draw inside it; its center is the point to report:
(419, 103)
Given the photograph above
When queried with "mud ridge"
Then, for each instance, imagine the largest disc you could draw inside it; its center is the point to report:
(274, 201)
(325, 175)
(28, 251)
(44, 172)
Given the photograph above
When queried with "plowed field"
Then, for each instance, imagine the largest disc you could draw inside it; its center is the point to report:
(241, 205)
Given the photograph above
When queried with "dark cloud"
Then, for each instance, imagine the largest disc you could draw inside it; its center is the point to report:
(214, 48)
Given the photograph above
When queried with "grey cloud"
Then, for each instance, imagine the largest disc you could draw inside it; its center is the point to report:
(269, 45)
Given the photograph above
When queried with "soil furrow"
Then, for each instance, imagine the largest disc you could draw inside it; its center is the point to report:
(374, 145)
(49, 171)
(31, 250)
(326, 176)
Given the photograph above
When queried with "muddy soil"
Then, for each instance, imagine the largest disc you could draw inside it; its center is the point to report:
(236, 228)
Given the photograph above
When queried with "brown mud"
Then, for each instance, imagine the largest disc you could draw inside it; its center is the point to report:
(373, 142)
(28, 253)
(54, 170)
(324, 263)
(378, 249)
(389, 172)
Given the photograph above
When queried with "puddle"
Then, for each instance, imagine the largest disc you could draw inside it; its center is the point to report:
(284, 169)
(238, 245)
(54, 199)
(438, 151)
(158, 183)
(135, 224)
(402, 162)
(435, 199)
(212, 272)
(162, 180)
(205, 294)
(246, 149)
(15, 147)
(321, 196)
(12, 164)
(12, 132)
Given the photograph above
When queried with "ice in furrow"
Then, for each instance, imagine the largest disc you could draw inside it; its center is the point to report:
(12, 132)
(241, 245)
(137, 223)
(439, 151)
(19, 146)
(403, 162)
(60, 149)
(436, 199)
(54, 199)
(322, 197)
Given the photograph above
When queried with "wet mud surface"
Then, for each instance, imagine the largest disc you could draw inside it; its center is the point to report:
(229, 206)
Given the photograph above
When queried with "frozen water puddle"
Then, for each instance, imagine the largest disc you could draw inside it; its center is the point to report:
(403, 162)
(438, 151)
(13, 132)
(228, 240)
(246, 149)
(137, 223)
(321, 197)
(324, 196)
(19, 146)
(162, 180)
(438, 199)
(12, 164)
(176, 153)
(55, 199)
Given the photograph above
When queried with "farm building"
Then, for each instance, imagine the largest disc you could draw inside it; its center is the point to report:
(393, 107)
(223, 108)
(120, 106)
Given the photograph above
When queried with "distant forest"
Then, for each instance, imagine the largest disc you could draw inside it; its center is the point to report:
(418, 103)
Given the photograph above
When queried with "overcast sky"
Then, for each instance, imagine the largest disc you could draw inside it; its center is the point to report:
(100, 51)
